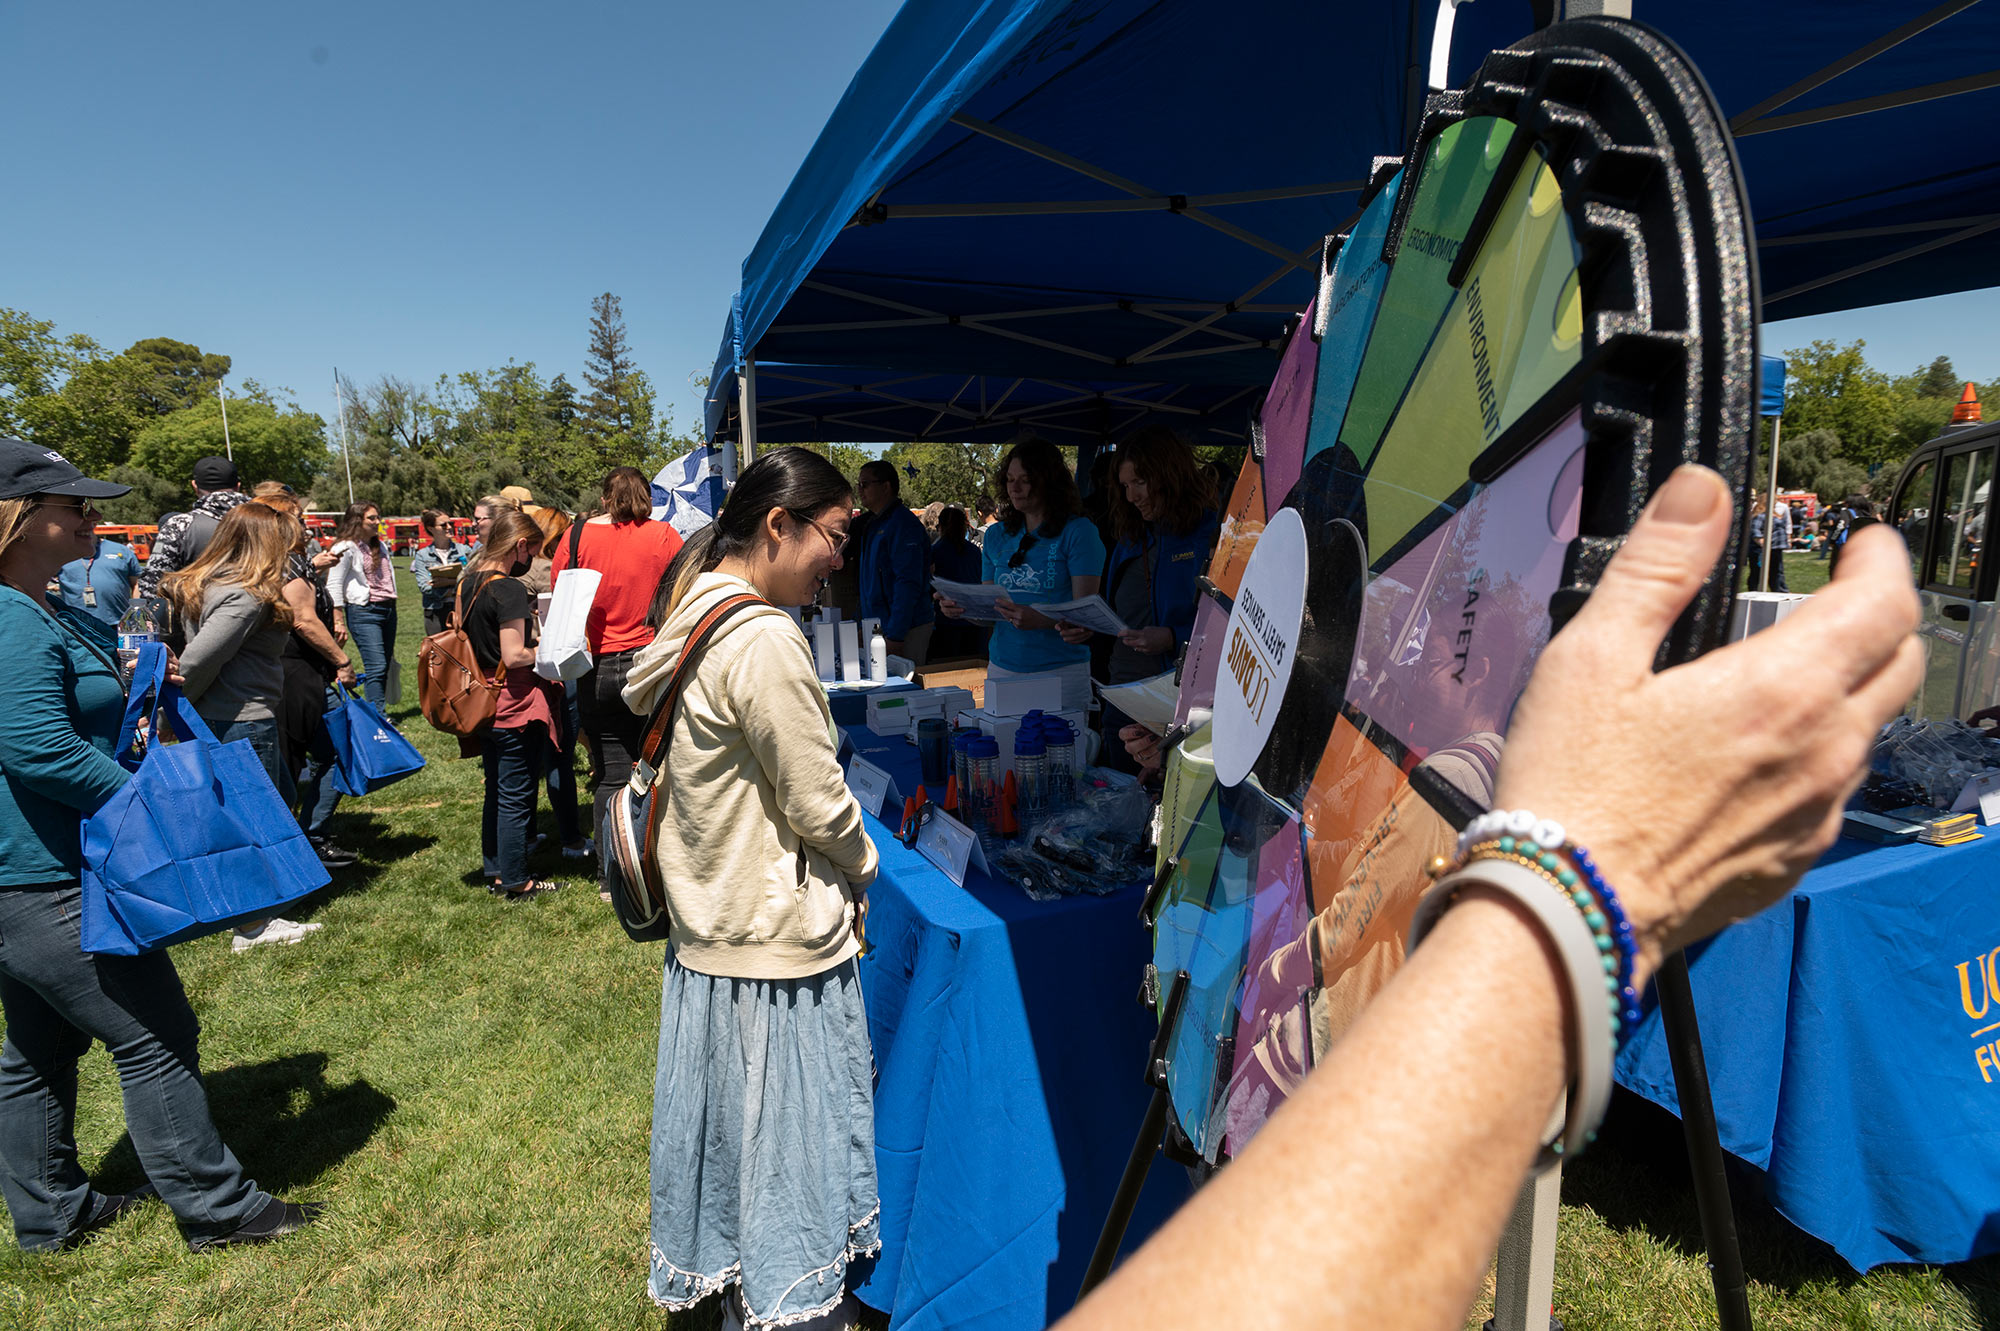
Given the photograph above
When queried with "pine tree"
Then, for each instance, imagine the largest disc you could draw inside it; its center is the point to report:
(560, 404)
(1939, 379)
(615, 421)
(607, 371)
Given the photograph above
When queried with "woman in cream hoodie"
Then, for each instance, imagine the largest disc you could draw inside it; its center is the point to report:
(763, 1153)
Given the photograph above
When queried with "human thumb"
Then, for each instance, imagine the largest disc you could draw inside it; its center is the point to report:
(1661, 566)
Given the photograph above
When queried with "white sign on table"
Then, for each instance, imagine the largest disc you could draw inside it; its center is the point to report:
(871, 785)
(950, 845)
(1981, 793)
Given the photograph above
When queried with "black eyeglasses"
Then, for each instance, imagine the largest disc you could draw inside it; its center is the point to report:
(1021, 553)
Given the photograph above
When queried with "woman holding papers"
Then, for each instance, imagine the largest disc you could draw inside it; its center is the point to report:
(1042, 549)
(1163, 511)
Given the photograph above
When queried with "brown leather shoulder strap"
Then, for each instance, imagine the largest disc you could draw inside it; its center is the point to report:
(659, 729)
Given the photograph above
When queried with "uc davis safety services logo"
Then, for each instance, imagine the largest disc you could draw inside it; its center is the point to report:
(1979, 975)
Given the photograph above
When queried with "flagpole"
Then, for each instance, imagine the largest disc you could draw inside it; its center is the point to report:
(340, 399)
(222, 394)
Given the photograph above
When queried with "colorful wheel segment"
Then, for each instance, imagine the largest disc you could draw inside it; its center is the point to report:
(1532, 321)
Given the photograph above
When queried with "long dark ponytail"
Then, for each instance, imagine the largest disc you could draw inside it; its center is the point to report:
(797, 480)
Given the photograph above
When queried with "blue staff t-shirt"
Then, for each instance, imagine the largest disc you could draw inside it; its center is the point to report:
(111, 573)
(1043, 574)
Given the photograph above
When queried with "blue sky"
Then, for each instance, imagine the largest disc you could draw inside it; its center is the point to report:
(420, 189)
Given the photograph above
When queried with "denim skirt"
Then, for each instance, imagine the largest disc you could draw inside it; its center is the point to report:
(763, 1142)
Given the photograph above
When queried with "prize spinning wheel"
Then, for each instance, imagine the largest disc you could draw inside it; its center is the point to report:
(1539, 313)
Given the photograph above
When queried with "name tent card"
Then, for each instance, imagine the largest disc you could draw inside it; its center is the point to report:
(1981, 793)
(951, 846)
(871, 786)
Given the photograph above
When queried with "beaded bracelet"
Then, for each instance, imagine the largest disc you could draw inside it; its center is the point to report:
(1550, 871)
(1545, 840)
(1581, 970)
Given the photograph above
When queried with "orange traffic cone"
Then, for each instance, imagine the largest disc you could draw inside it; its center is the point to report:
(1967, 410)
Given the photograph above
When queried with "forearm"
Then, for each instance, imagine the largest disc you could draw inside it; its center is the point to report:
(1380, 1188)
(305, 623)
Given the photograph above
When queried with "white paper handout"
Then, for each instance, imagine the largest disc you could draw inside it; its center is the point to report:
(1091, 612)
(980, 601)
(1150, 702)
(977, 599)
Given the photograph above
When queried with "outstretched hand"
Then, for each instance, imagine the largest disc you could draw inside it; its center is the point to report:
(1705, 790)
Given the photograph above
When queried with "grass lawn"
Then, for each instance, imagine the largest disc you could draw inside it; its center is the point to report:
(468, 1085)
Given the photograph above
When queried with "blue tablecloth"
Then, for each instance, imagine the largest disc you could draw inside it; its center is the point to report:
(1009, 1048)
(1850, 1035)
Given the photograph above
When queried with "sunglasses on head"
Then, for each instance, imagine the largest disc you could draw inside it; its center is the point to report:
(1021, 552)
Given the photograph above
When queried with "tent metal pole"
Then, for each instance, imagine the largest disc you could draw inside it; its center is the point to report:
(1888, 101)
(1745, 119)
(340, 401)
(746, 392)
(1704, 1147)
(1770, 511)
(1098, 173)
(1883, 262)
(1138, 204)
(1869, 232)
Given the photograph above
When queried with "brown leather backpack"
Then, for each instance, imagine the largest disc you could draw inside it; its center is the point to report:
(454, 694)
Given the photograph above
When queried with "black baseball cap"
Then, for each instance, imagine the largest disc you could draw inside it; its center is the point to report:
(213, 473)
(29, 469)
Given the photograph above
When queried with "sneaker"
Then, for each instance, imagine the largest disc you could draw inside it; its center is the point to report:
(332, 856)
(276, 1220)
(274, 931)
(539, 840)
(583, 850)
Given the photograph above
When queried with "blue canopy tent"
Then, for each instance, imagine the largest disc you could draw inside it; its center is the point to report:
(807, 403)
(1101, 191)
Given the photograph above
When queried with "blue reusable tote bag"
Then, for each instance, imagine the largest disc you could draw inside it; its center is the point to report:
(369, 753)
(197, 840)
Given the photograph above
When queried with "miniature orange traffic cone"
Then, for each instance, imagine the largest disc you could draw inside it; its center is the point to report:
(1967, 410)
(951, 794)
(1009, 801)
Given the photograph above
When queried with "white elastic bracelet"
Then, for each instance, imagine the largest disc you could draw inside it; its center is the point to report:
(1563, 924)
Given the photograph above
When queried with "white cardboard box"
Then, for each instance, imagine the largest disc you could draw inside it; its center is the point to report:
(1755, 611)
(1029, 693)
(897, 713)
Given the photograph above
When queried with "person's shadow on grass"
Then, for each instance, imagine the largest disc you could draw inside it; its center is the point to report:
(285, 1123)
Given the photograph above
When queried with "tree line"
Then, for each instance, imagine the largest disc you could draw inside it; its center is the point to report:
(142, 417)
(1848, 426)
